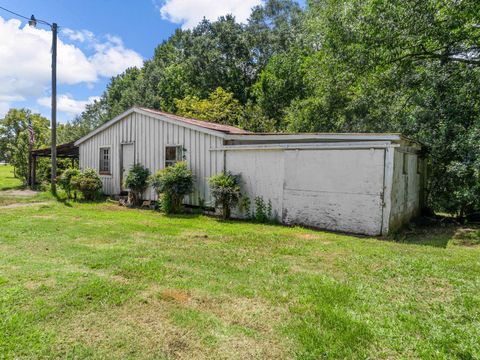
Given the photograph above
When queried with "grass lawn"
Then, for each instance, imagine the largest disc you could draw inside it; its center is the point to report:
(7, 180)
(82, 280)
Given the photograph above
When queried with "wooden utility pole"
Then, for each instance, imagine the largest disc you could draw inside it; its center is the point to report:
(54, 108)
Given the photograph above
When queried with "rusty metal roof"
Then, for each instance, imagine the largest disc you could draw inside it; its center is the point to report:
(227, 129)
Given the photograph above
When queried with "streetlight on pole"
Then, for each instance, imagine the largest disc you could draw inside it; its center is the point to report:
(33, 22)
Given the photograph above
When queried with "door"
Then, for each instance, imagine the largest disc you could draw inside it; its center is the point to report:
(128, 160)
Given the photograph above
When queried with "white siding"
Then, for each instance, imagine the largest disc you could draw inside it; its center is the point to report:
(329, 189)
(262, 174)
(150, 136)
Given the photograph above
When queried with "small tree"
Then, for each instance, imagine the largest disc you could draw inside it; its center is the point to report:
(137, 182)
(172, 184)
(88, 183)
(65, 182)
(225, 189)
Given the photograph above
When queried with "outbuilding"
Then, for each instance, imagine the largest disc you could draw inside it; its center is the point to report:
(366, 183)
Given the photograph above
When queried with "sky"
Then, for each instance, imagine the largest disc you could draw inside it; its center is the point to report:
(97, 39)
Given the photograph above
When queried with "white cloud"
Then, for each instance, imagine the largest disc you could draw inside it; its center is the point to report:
(67, 104)
(78, 35)
(190, 12)
(25, 59)
(111, 57)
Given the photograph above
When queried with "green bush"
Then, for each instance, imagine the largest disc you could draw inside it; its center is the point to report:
(137, 182)
(225, 188)
(65, 182)
(88, 183)
(172, 184)
(263, 211)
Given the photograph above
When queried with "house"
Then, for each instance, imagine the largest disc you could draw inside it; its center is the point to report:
(361, 183)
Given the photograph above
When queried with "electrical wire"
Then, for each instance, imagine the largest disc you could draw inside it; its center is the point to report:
(14, 13)
(25, 17)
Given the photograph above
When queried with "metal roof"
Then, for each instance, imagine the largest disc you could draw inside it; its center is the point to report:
(233, 133)
(67, 150)
(227, 129)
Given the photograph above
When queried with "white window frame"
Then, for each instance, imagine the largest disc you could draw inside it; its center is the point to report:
(178, 155)
(101, 160)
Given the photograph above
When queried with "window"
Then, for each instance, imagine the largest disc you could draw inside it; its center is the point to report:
(173, 154)
(405, 164)
(104, 161)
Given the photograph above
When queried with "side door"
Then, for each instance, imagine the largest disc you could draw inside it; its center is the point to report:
(127, 161)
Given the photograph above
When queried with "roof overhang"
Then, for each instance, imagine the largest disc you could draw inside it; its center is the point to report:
(316, 137)
(67, 150)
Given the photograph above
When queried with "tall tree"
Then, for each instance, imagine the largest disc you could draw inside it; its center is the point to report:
(14, 137)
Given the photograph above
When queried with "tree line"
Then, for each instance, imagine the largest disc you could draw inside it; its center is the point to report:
(404, 66)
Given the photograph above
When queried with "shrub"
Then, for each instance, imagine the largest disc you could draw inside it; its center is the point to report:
(88, 183)
(263, 211)
(172, 184)
(225, 189)
(245, 206)
(137, 182)
(65, 182)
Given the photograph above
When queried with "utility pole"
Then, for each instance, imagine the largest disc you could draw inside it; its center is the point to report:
(33, 22)
(54, 108)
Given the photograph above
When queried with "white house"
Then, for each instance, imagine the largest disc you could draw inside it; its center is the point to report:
(361, 183)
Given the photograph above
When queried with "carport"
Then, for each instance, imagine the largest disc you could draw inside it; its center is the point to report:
(64, 151)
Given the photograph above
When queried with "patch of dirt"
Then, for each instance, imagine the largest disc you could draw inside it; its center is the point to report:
(26, 193)
(18, 205)
(112, 207)
(43, 216)
(175, 295)
(308, 236)
(34, 285)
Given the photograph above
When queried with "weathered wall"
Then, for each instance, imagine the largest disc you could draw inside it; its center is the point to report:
(334, 189)
(262, 174)
(406, 189)
(150, 136)
(330, 189)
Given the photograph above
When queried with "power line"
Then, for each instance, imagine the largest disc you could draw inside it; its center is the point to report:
(14, 13)
(25, 17)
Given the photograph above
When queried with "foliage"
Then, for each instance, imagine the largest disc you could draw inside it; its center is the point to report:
(262, 211)
(88, 182)
(220, 107)
(245, 205)
(172, 184)
(14, 140)
(66, 183)
(137, 181)
(225, 189)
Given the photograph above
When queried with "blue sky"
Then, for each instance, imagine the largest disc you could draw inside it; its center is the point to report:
(98, 39)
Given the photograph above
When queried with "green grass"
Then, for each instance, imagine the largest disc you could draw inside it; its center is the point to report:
(100, 281)
(7, 180)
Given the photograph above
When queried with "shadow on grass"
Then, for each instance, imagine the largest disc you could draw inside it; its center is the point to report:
(439, 232)
(63, 200)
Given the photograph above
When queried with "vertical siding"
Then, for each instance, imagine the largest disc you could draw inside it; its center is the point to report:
(150, 136)
(406, 189)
